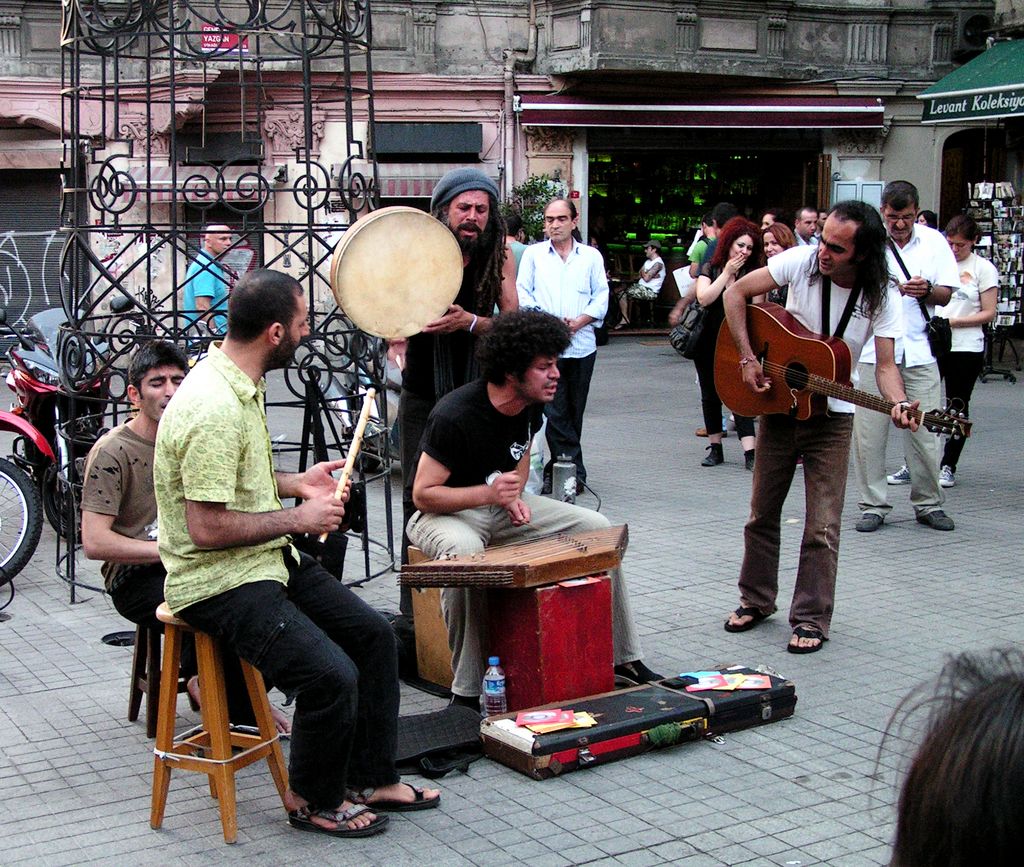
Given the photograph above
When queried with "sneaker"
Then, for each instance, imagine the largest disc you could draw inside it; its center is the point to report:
(900, 477)
(937, 520)
(869, 522)
(947, 478)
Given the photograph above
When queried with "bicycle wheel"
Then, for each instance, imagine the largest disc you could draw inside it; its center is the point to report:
(21, 520)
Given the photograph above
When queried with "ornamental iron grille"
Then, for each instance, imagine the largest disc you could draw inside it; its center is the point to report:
(249, 114)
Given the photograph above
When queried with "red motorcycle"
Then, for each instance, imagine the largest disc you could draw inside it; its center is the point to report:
(35, 478)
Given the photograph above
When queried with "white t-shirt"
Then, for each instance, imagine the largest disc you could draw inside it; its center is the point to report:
(655, 281)
(977, 275)
(926, 255)
(793, 268)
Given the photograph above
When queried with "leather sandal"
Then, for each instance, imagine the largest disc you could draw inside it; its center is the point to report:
(753, 613)
(303, 820)
(807, 632)
(419, 801)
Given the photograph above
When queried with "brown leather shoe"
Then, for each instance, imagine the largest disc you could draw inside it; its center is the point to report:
(703, 432)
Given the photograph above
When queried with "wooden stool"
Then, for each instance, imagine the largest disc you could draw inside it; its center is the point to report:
(208, 748)
(146, 677)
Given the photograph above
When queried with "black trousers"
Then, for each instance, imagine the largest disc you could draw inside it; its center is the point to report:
(960, 371)
(323, 644)
(565, 412)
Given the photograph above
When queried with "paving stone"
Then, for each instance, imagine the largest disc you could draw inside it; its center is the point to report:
(818, 788)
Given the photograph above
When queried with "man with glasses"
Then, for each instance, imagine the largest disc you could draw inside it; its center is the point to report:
(923, 266)
(566, 279)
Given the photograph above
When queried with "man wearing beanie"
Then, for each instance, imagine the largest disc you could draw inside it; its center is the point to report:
(443, 355)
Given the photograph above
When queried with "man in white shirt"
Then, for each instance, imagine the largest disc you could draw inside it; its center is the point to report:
(806, 226)
(566, 279)
(931, 273)
(850, 259)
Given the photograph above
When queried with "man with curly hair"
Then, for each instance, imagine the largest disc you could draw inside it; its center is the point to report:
(470, 478)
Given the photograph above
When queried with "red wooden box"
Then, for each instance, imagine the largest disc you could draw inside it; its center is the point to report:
(555, 642)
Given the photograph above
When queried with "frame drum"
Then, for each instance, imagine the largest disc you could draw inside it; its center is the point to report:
(395, 270)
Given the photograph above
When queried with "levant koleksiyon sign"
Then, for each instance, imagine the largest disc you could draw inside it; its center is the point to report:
(976, 106)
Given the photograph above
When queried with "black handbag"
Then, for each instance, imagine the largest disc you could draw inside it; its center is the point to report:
(940, 334)
(686, 335)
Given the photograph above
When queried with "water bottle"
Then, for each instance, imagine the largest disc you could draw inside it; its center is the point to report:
(563, 479)
(494, 688)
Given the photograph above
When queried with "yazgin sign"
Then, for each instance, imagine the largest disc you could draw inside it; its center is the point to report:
(975, 106)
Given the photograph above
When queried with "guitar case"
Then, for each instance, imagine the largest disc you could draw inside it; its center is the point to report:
(630, 721)
(740, 709)
(633, 721)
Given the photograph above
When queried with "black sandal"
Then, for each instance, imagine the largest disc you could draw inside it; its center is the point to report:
(807, 632)
(419, 801)
(303, 820)
(755, 617)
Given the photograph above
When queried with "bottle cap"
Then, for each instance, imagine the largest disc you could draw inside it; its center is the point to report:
(493, 660)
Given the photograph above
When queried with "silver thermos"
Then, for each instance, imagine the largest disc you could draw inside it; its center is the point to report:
(563, 479)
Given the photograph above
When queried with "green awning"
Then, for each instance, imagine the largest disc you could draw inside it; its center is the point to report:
(989, 86)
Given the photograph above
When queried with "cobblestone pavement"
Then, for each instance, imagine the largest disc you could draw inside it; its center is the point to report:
(75, 775)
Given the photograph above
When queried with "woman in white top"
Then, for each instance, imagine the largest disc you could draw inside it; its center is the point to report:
(972, 306)
(652, 275)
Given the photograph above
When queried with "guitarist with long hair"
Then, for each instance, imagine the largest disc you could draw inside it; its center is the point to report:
(849, 261)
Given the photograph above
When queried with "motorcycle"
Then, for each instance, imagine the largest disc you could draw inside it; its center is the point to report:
(47, 422)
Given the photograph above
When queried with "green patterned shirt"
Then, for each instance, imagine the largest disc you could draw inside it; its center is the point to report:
(213, 447)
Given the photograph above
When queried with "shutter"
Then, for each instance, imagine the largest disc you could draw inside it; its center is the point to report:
(30, 242)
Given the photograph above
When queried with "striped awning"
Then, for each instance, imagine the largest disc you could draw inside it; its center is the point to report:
(417, 180)
(764, 112)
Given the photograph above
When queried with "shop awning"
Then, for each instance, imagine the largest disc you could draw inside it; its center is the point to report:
(197, 184)
(782, 112)
(987, 87)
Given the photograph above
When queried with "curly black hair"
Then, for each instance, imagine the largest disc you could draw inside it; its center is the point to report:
(516, 339)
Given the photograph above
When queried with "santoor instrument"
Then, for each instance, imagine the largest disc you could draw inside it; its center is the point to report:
(543, 560)
(395, 270)
(357, 442)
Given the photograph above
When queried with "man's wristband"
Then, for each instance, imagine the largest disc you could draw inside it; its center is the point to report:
(746, 360)
(472, 324)
(928, 293)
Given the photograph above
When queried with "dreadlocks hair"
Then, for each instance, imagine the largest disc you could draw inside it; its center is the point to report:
(516, 339)
(486, 263)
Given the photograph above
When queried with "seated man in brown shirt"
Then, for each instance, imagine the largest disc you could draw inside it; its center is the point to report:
(119, 522)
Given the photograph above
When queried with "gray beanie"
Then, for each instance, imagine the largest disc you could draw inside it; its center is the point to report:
(460, 181)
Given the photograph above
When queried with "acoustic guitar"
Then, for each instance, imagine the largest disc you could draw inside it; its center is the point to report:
(805, 369)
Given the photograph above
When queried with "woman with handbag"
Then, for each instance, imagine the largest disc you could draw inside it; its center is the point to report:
(738, 251)
(971, 308)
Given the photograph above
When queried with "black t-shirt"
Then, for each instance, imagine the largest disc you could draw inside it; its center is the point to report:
(472, 439)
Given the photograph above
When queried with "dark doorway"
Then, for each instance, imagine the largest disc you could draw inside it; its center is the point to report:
(641, 194)
(968, 156)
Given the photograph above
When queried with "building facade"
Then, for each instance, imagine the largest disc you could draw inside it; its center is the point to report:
(647, 111)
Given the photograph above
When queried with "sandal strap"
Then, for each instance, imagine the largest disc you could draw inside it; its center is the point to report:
(339, 817)
(809, 632)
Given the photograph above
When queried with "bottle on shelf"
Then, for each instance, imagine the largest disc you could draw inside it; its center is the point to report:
(494, 688)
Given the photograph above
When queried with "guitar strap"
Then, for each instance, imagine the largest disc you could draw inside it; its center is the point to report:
(906, 271)
(826, 308)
